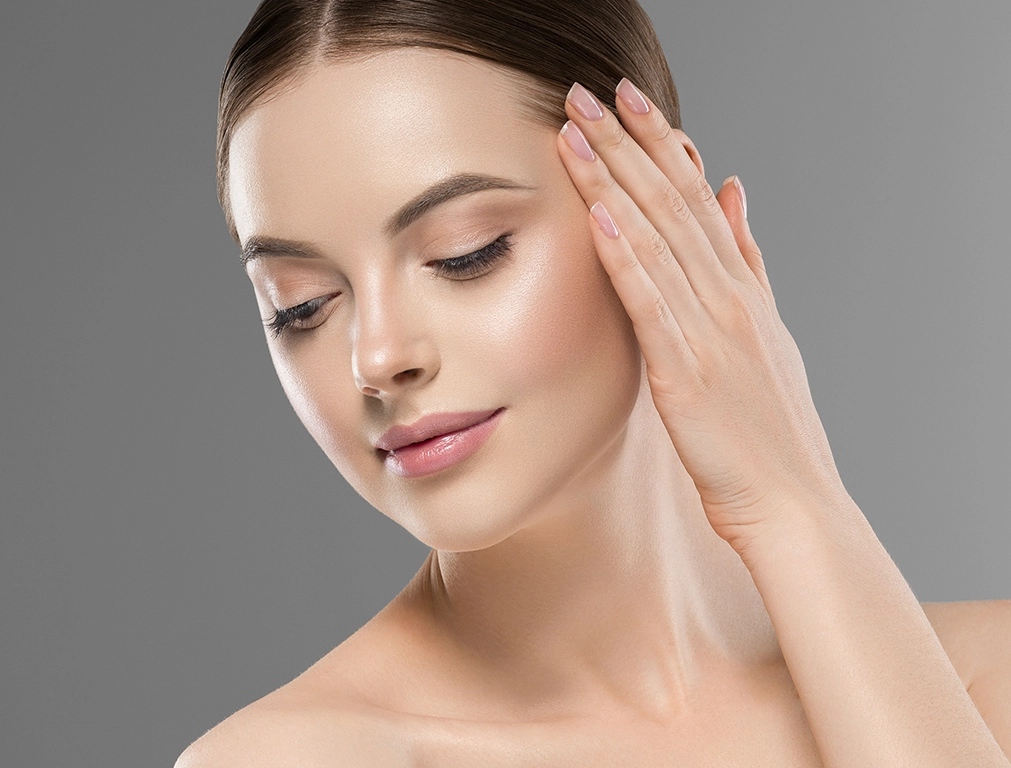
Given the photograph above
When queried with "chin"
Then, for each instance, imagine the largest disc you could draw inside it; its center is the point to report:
(464, 509)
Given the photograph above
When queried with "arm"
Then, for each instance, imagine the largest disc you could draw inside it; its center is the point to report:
(976, 635)
(877, 686)
(729, 383)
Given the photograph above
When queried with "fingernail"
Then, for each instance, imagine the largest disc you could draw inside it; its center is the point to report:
(604, 220)
(584, 102)
(740, 192)
(576, 140)
(632, 97)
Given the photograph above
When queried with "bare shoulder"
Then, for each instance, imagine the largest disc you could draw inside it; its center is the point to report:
(278, 734)
(977, 638)
(326, 717)
(975, 634)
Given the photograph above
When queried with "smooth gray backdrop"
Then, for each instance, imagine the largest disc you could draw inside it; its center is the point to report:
(173, 543)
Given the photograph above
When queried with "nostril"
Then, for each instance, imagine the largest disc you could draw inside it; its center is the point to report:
(408, 375)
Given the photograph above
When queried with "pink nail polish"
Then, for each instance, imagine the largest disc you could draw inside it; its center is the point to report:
(632, 97)
(739, 189)
(576, 140)
(604, 220)
(584, 102)
(744, 197)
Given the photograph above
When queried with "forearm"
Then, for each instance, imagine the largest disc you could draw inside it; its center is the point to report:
(877, 686)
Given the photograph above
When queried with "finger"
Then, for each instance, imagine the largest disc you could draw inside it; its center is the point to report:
(676, 157)
(733, 201)
(653, 192)
(594, 182)
(660, 337)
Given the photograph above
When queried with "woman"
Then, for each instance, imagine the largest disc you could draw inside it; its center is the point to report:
(520, 323)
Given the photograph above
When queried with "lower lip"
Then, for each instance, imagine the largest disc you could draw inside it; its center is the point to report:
(442, 452)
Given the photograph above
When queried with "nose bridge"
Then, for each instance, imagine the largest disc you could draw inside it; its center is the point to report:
(390, 346)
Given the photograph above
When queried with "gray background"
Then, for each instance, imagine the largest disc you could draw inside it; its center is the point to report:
(173, 543)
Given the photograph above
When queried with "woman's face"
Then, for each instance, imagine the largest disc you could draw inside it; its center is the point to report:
(385, 334)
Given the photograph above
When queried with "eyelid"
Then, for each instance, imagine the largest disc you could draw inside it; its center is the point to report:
(291, 318)
(476, 263)
(468, 266)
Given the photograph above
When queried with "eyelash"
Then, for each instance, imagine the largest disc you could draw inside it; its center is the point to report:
(471, 265)
(465, 267)
(292, 316)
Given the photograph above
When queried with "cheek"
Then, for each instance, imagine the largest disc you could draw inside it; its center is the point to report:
(550, 339)
(327, 403)
(559, 327)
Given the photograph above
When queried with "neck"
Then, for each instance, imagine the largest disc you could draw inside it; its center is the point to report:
(619, 593)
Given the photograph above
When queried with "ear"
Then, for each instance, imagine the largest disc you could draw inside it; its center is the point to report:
(692, 151)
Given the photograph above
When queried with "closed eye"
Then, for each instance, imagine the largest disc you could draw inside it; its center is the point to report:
(474, 264)
(298, 317)
(304, 316)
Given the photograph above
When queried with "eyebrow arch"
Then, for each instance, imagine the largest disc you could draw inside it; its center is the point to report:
(438, 193)
(257, 247)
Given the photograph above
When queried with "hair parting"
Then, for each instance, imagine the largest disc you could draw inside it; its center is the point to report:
(549, 44)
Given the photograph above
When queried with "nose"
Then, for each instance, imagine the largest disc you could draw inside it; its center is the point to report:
(392, 349)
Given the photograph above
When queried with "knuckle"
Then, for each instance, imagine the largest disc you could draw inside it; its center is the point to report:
(656, 310)
(653, 309)
(626, 261)
(674, 203)
(739, 305)
(675, 139)
(744, 314)
(656, 249)
(613, 138)
(607, 186)
(662, 131)
(668, 139)
(700, 191)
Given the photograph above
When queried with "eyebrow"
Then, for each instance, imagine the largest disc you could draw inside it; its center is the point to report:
(440, 192)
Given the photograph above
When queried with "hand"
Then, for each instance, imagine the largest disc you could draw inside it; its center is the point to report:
(725, 374)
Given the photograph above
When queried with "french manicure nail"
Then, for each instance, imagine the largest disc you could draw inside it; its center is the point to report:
(584, 102)
(576, 140)
(744, 197)
(632, 97)
(604, 220)
(740, 192)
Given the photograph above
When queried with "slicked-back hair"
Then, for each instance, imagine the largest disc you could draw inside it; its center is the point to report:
(553, 42)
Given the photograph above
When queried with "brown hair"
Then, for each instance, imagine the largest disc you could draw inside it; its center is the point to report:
(554, 42)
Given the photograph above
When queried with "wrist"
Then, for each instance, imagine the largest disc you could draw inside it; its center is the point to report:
(802, 523)
(871, 674)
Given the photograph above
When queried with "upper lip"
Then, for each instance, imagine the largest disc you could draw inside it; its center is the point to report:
(430, 426)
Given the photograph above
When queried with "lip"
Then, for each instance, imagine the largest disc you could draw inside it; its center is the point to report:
(436, 442)
(430, 426)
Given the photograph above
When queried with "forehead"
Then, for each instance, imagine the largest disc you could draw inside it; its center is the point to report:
(349, 142)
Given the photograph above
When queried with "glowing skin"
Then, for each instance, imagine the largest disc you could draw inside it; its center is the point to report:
(578, 607)
(542, 333)
(577, 500)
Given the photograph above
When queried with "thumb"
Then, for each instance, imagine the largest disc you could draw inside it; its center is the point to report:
(734, 203)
